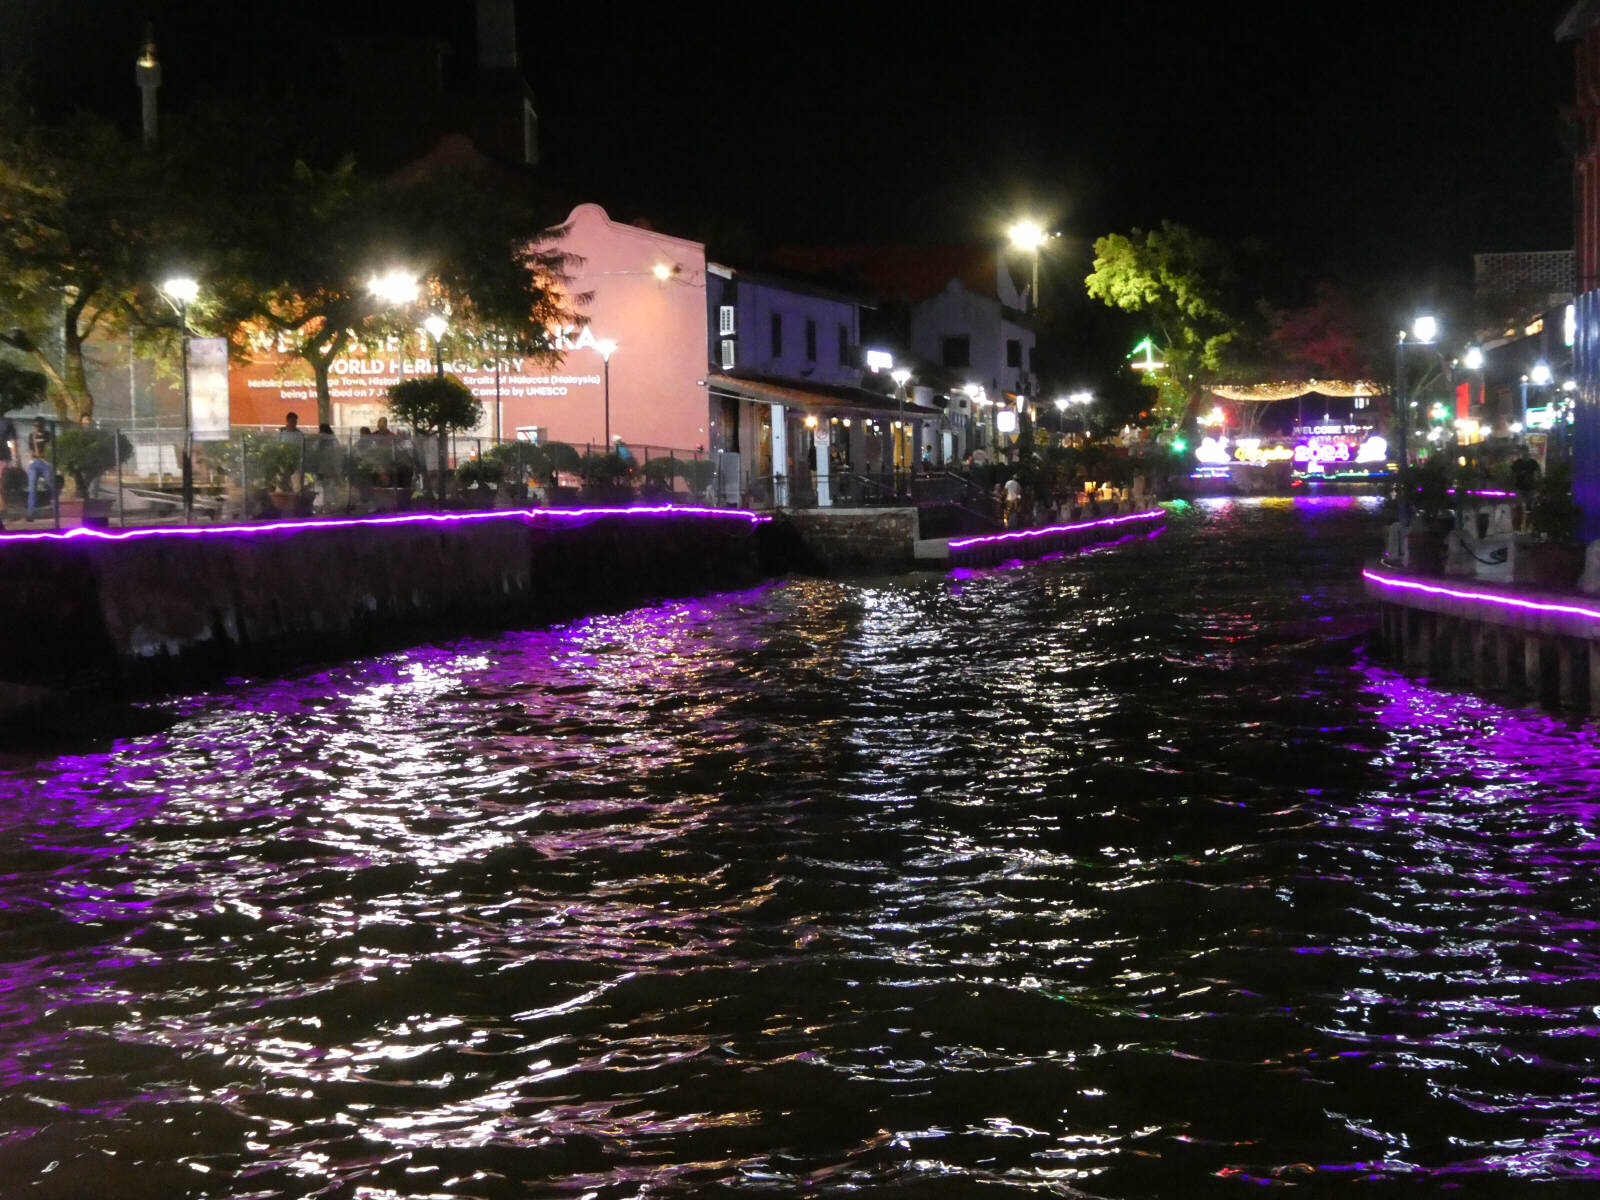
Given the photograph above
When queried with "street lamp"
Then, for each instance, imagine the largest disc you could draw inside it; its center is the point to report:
(1424, 329)
(1029, 236)
(901, 377)
(1540, 377)
(607, 347)
(180, 292)
(436, 327)
(394, 287)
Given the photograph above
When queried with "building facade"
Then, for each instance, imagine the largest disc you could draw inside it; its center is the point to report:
(797, 416)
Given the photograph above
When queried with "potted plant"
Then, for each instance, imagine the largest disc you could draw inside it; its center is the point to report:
(1426, 489)
(1556, 558)
(476, 481)
(271, 464)
(438, 404)
(698, 475)
(85, 453)
(520, 464)
(659, 474)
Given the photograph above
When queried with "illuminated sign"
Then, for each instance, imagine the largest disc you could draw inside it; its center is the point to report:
(1005, 421)
(880, 360)
(1148, 349)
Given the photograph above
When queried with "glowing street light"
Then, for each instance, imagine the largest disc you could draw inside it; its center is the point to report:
(901, 377)
(394, 287)
(436, 327)
(1029, 236)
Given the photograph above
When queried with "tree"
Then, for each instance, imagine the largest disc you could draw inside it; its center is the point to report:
(437, 403)
(82, 210)
(1177, 280)
(301, 244)
(1335, 336)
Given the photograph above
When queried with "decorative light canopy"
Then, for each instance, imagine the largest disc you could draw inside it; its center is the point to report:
(1290, 389)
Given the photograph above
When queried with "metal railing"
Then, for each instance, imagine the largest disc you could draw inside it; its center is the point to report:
(111, 475)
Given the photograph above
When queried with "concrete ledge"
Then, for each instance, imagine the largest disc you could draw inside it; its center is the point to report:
(1557, 614)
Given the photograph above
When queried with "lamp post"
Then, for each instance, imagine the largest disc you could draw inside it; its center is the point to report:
(1424, 329)
(901, 377)
(180, 292)
(607, 347)
(1027, 235)
(975, 395)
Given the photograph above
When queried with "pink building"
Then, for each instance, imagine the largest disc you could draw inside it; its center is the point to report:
(643, 290)
(646, 292)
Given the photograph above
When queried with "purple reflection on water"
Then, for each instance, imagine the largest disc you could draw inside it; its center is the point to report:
(991, 539)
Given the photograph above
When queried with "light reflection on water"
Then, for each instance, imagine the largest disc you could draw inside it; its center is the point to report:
(1120, 874)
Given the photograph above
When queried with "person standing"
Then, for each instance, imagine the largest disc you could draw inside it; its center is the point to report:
(38, 463)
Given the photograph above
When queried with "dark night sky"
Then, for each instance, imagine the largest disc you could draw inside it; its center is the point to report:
(1360, 135)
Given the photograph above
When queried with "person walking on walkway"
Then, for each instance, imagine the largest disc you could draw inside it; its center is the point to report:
(39, 465)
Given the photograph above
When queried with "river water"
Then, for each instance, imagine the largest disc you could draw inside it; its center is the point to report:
(1121, 874)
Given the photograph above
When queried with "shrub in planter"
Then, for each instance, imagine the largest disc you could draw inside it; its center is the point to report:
(1554, 517)
(84, 455)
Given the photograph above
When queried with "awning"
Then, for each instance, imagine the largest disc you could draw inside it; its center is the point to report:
(820, 399)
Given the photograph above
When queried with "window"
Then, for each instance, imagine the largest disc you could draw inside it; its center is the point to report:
(1013, 352)
(777, 335)
(958, 351)
(844, 345)
(811, 341)
(725, 319)
(728, 355)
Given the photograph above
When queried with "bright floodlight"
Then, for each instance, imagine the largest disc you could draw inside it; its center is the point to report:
(1472, 360)
(182, 289)
(1425, 329)
(1082, 397)
(900, 375)
(1026, 235)
(1540, 374)
(1061, 403)
(435, 325)
(663, 272)
(607, 347)
(394, 287)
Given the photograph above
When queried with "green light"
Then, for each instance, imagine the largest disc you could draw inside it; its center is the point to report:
(1179, 444)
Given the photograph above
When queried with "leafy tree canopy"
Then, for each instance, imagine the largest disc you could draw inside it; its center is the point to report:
(83, 212)
(1176, 280)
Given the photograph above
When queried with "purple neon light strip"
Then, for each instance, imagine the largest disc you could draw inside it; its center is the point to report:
(1572, 610)
(1049, 530)
(528, 516)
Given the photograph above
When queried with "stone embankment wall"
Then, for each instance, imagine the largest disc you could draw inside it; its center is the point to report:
(159, 608)
(846, 541)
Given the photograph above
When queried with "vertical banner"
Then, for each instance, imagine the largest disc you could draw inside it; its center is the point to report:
(208, 389)
(1463, 398)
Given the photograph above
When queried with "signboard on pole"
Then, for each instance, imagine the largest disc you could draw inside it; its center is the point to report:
(208, 389)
